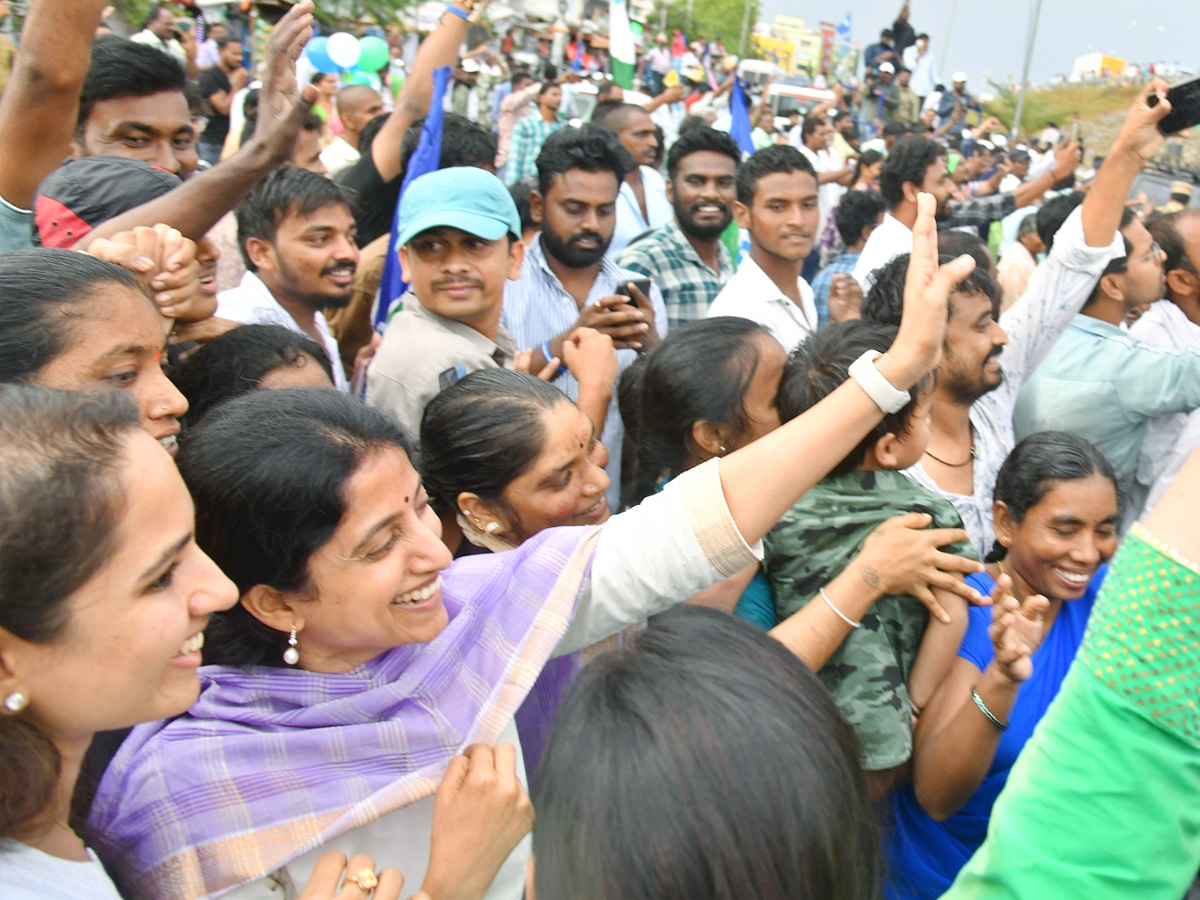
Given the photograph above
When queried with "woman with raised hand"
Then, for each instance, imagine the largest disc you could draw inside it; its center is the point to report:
(1104, 802)
(359, 660)
(1056, 517)
(646, 792)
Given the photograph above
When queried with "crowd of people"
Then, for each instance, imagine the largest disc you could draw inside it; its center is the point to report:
(812, 522)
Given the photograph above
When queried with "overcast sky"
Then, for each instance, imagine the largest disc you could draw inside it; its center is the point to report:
(990, 36)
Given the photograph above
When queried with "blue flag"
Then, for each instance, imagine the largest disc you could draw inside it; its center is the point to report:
(740, 113)
(425, 159)
(843, 34)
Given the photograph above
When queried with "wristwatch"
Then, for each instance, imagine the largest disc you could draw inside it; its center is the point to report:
(886, 396)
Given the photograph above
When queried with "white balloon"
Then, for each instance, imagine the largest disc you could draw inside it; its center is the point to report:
(343, 49)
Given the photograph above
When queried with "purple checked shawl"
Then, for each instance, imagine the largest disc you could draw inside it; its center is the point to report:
(271, 763)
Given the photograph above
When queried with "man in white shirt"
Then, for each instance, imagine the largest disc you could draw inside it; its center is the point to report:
(915, 165)
(919, 61)
(162, 32)
(357, 104)
(986, 361)
(642, 204)
(834, 176)
(296, 233)
(777, 203)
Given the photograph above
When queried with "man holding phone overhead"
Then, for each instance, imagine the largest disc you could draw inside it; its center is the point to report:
(568, 282)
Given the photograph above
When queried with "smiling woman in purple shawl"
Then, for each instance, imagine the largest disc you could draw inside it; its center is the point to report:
(310, 504)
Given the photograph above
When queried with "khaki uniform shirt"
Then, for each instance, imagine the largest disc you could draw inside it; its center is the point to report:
(422, 354)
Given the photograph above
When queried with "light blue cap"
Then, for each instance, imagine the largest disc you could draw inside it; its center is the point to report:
(462, 197)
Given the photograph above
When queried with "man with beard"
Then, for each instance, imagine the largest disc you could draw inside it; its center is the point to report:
(1101, 383)
(686, 257)
(642, 204)
(296, 233)
(777, 204)
(567, 281)
(918, 164)
(971, 428)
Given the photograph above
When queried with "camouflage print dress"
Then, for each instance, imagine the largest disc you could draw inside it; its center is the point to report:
(813, 543)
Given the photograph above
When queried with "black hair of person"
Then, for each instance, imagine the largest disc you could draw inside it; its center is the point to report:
(856, 211)
(907, 163)
(482, 433)
(866, 158)
(778, 158)
(1119, 264)
(590, 148)
(236, 362)
(548, 86)
(367, 136)
(699, 140)
(812, 123)
(896, 130)
(1053, 213)
(41, 289)
(607, 88)
(966, 243)
(268, 472)
(1036, 464)
(1164, 228)
(225, 40)
(1028, 226)
(653, 740)
(123, 68)
(613, 114)
(463, 144)
(61, 501)
(820, 365)
(699, 373)
(519, 79)
(884, 302)
(520, 191)
(155, 12)
(286, 191)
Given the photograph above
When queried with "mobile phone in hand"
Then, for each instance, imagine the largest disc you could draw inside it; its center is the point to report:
(1185, 106)
(642, 284)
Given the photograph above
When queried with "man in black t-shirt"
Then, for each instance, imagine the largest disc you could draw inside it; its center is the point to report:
(218, 85)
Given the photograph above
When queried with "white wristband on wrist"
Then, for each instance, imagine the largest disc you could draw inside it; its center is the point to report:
(886, 396)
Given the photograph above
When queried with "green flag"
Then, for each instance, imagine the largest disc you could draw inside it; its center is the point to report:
(620, 44)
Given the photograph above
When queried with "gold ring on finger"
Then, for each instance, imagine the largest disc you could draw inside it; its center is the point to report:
(365, 879)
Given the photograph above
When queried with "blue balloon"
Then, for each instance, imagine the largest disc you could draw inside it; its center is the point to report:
(318, 54)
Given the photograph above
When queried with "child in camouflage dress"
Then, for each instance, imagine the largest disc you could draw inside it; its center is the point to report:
(886, 670)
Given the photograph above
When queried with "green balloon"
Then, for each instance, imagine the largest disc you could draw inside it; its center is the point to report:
(374, 53)
(366, 78)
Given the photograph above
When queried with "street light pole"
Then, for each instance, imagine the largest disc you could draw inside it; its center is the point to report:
(946, 39)
(745, 29)
(1030, 38)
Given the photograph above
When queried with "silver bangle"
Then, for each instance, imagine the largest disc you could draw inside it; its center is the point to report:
(841, 615)
(988, 714)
